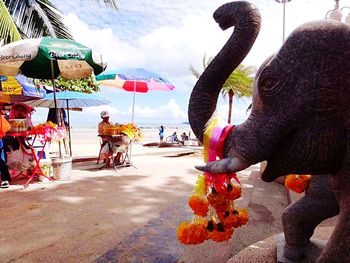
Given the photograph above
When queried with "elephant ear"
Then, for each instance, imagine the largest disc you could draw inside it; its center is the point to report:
(246, 21)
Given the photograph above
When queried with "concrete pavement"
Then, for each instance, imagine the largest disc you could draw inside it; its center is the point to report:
(129, 215)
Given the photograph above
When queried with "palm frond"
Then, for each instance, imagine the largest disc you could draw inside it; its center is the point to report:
(240, 82)
(194, 72)
(37, 18)
(109, 3)
(56, 19)
(205, 61)
(8, 29)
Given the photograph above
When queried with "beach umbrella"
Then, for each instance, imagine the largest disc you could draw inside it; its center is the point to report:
(18, 88)
(47, 58)
(68, 99)
(134, 80)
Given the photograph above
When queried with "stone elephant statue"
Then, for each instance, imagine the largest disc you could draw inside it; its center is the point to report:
(300, 117)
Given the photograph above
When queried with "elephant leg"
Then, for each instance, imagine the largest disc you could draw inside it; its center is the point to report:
(338, 246)
(301, 218)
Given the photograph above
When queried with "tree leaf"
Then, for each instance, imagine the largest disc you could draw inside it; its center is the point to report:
(8, 29)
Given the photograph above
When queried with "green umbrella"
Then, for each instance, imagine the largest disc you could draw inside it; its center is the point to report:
(47, 58)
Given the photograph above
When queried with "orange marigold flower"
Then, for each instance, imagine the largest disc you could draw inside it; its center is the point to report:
(218, 201)
(191, 234)
(220, 236)
(221, 214)
(199, 205)
(297, 183)
(243, 217)
(231, 221)
(233, 192)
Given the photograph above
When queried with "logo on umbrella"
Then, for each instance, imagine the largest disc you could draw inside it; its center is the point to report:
(66, 55)
(15, 57)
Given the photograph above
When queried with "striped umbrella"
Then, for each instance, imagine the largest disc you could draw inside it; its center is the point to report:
(134, 80)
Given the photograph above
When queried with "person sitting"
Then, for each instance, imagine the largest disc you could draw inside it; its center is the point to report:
(102, 124)
(107, 142)
(21, 110)
(184, 137)
(173, 138)
(105, 150)
(18, 111)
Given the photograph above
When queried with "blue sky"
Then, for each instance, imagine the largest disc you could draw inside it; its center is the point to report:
(166, 36)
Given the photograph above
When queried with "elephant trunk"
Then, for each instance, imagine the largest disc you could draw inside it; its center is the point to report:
(239, 151)
(246, 20)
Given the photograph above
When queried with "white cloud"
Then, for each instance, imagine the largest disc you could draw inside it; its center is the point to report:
(167, 36)
(96, 110)
(168, 50)
(170, 111)
(167, 111)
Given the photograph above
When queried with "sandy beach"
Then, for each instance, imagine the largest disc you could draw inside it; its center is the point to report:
(85, 141)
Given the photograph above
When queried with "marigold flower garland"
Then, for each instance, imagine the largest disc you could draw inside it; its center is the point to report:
(215, 215)
(129, 129)
(297, 182)
(49, 131)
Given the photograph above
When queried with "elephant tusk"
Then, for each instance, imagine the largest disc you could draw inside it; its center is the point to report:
(227, 165)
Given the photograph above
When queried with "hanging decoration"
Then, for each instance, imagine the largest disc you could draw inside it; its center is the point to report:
(212, 202)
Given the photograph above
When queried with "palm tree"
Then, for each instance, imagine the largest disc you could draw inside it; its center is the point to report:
(238, 84)
(34, 18)
(205, 63)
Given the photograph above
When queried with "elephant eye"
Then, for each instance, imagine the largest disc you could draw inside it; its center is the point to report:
(267, 86)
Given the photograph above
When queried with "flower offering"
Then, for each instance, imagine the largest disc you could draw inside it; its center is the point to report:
(129, 129)
(297, 183)
(50, 131)
(215, 216)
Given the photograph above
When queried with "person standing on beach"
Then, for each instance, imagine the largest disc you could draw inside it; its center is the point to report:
(4, 172)
(161, 133)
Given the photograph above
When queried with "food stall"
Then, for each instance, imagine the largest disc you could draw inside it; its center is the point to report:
(30, 159)
(118, 149)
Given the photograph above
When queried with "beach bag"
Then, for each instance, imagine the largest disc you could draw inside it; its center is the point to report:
(20, 160)
(4, 126)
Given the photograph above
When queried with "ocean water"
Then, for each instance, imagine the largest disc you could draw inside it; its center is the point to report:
(85, 132)
(93, 125)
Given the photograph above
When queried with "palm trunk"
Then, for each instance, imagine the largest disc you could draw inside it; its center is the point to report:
(230, 101)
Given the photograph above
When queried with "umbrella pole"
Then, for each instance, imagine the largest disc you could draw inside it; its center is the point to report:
(133, 104)
(70, 143)
(132, 116)
(55, 101)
